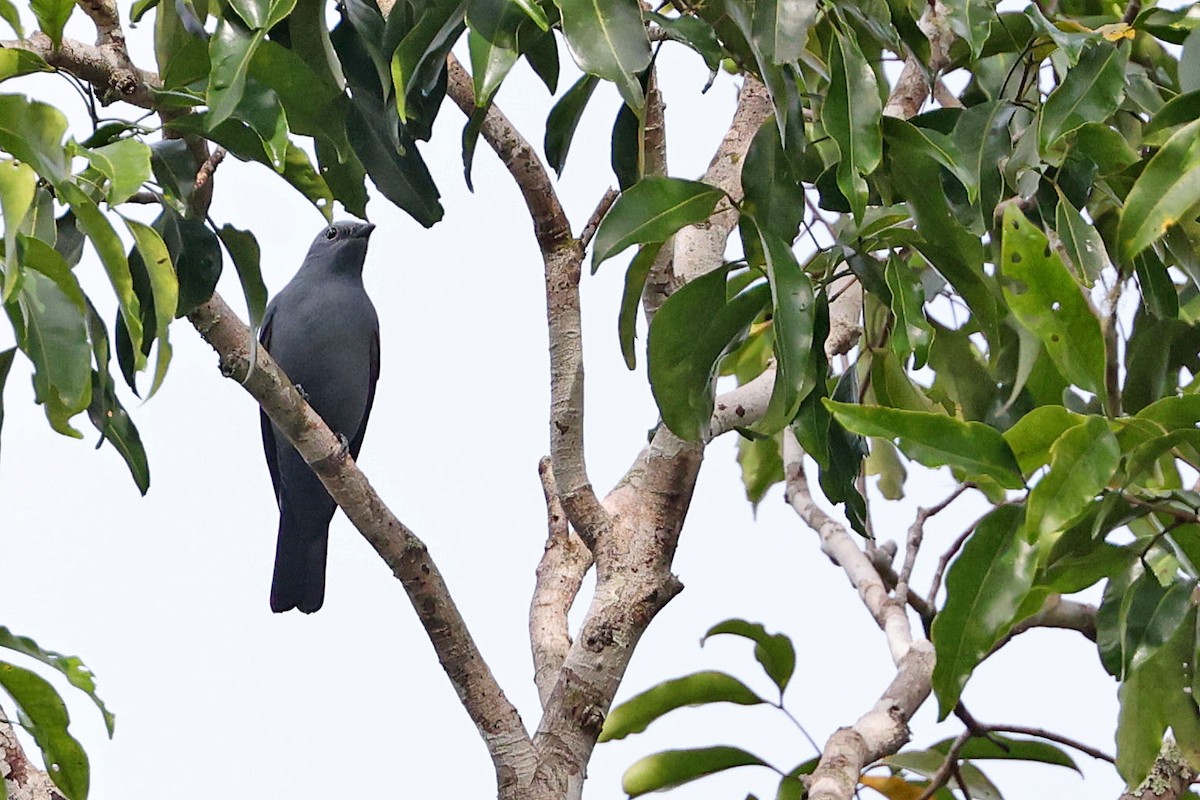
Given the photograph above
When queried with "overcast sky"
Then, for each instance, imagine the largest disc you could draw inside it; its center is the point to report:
(165, 597)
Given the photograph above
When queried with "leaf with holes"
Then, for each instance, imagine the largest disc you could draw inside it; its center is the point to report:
(1049, 302)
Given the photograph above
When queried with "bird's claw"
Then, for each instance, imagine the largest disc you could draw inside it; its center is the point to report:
(300, 391)
(343, 446)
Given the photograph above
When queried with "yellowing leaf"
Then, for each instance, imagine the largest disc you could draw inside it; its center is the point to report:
(893, 787)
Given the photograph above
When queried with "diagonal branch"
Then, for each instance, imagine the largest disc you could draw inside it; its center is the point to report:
(495, 717)
(562, 256)
(884, 729)
(559, 576)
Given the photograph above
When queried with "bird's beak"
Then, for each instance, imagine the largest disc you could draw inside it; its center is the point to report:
(364, 231)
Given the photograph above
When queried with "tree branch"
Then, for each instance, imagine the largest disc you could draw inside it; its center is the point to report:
(105, 67)
(564, 563)
(562, 257)
(22, 778)
(884, 729)
(699, 248)
(406, 555)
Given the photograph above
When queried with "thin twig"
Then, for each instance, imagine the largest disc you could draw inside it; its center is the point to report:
(205, 173)
(1051, 736)
(946, 770)
(944, 561)
(916, 533)
(589, 230)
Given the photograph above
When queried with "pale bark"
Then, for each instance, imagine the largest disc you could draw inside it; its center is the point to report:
(22, 778)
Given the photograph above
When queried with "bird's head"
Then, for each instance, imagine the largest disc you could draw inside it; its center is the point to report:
(342, 244)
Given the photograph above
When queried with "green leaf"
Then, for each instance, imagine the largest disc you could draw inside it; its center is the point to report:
(15, 62)
(693, 32)
(52, 16)
(1047, 300)
(984, 589)
(9, 13)
(941, 148)
(47, 721)
(112, 255)
(652, 210)
(1032, 436)
(926, 763)
(6, 361)
(1070, 42)
(761, 464)
(564, 119)
(1163, 194)
(1090, 92)
(439, 22)
(1180, 110)
(1082, 243)
(608, 40)
(1005, 748)
(772, 195)
(18, 185)
(971, 21)
(792, 319)
(688, 336)
(1173, 413)
(33, 132)
(780, 28)
(299, 172)
(884, 462)
(243, 249)
(262, 14)
(309, 102)
(672, 768)
(164, 291)
(852, 115)
(1082, 461)
(954, 251)
(773, 650)
(175, 170)
(126, 164)
(196, 253)
(231, 48)
(1152, 700)
(345, 177)
(700, 688)
(261, 110)
(635, 283)
(395, 167)
(116, 427)
(72, 667)
(912, 333)
(490, 64)
(936, 440)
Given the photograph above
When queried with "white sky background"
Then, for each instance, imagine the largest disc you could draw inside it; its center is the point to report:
(165, 597)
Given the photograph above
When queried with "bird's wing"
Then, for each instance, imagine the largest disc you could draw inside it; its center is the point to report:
(268, 432)
(356, 442)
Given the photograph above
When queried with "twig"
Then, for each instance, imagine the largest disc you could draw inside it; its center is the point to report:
(916, 533)
(565, 561)
(206, 170)
(1051, 736)
(589, 230)
(936, 583)
(562, 257)
(946, 770)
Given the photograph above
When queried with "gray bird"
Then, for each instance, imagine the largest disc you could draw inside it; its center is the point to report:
(323, 331)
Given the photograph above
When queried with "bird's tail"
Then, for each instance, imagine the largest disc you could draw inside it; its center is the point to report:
(299, 579)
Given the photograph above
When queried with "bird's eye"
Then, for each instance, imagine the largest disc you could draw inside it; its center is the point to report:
(331, 233)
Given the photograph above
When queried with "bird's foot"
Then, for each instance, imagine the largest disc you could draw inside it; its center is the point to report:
(343, 446)
(300, 391)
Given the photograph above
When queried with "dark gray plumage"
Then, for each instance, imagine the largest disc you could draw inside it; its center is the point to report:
(322, 329)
